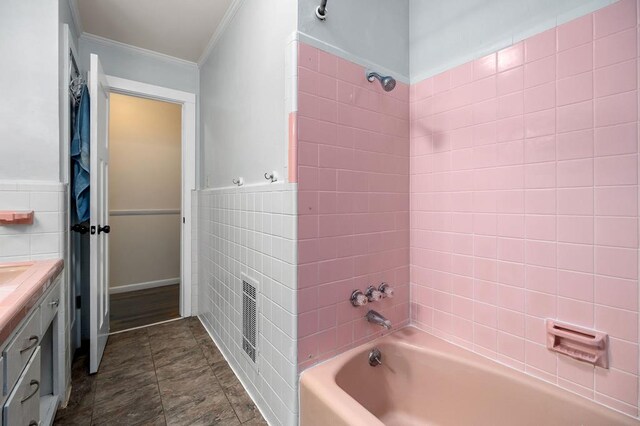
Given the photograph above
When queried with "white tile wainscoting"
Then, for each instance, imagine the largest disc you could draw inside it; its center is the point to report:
(195, 245)
(253, 231)
(44, 239)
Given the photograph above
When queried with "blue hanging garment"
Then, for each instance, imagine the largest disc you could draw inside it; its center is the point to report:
(80, 158)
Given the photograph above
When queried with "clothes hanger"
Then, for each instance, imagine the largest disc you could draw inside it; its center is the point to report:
(75, 87)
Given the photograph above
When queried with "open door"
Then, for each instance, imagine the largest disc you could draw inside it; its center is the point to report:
(99, 210)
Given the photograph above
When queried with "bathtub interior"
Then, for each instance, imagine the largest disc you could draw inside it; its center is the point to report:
(423, 385)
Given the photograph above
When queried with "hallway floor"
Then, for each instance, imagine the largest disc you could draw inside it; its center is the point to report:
(168, 374)
(144, 307)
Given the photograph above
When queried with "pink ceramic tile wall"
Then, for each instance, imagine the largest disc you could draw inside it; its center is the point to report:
(353, 202)
(524, 201)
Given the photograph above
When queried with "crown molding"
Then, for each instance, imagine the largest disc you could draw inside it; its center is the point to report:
(75, 15)
(224, 23)
(135, 49)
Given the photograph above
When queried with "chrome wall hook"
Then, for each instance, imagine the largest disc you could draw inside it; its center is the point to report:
(238, 181)
(272, 176)
(321, 11)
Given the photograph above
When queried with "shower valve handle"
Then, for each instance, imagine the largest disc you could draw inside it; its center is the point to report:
(106, 229)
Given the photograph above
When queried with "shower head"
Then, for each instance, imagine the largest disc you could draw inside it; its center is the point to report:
(388, 83)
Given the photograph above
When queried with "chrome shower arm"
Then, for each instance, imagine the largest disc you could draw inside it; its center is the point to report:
(388, 83)
(372, 75)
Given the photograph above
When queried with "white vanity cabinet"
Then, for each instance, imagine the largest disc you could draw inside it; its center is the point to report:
(23, 404)
(29, 362)
(19, 350)
(1, 380)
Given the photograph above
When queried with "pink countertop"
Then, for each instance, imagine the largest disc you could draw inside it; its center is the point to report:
(23, 292)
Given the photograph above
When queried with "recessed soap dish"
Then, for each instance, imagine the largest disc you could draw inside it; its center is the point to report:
(579, 343)
(10, 217)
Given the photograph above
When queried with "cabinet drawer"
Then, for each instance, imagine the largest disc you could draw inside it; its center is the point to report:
(23, 405)
(49, 306)
(1, 383)
(17, 353)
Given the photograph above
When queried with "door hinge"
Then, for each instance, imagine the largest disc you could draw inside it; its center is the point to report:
(78, 302)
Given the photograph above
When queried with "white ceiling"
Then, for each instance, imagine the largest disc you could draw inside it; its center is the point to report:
(179, 28)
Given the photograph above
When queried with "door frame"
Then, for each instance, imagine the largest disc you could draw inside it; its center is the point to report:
(188, 101)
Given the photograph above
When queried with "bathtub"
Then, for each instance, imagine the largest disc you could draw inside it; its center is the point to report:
(424, 380)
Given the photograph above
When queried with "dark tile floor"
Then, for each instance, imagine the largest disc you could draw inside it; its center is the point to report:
(168, 374)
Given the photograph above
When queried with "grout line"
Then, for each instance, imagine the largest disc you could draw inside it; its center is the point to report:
(593, 193)
(213, 372)
(220, 383)
(155, 374)
(227, 398)
(637, 186)
(555, 177)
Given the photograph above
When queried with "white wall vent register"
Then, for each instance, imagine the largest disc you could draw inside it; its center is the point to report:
(249, 317)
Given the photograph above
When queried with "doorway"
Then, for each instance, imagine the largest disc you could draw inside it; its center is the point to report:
(187, 103)
(145, 194)
(91, 274)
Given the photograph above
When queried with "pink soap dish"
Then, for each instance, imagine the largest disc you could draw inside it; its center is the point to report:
(9, 217)
(580, 343)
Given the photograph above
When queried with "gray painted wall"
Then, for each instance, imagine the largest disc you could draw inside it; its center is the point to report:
(242, 95)
(369, 32)
(132, 64)
(29, 134)
(138, 65)
(65, 16)
(444, 34)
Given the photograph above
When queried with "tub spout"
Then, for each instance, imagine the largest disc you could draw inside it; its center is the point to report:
(376, 318)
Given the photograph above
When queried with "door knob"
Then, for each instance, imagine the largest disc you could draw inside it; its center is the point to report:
(106, 229)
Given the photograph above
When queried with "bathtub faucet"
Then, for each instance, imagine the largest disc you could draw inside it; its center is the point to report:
(376, 318)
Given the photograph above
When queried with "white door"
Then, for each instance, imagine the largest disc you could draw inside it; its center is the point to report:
(99, 210)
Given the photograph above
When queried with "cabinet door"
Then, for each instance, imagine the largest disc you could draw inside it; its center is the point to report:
(23, 405)
(18, 352)
(1, 383)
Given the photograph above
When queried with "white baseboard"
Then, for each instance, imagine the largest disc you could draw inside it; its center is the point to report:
(142, 286)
